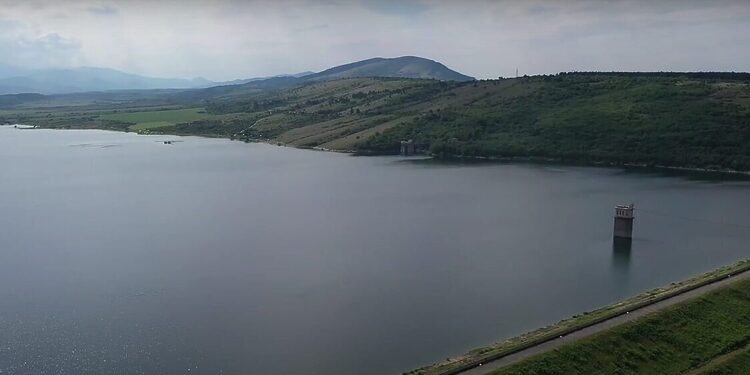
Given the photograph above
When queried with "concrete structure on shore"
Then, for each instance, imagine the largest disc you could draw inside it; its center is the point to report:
(407, 148)
(624, 221)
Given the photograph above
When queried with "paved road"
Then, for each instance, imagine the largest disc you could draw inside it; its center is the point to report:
(588, 331)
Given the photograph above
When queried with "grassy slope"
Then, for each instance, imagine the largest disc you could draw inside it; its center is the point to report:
(309, 115)
(673, 341)
(669, 120)
(737, 363)
(153, 119)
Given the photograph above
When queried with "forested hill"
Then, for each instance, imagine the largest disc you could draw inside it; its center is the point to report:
(670, 119)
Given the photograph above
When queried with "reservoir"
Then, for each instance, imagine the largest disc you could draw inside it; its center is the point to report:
(121, 254)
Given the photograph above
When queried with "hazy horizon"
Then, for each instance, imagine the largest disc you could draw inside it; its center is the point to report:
(225, 40)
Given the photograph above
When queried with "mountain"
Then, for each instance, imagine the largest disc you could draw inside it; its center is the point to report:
(379, 67)
(248, 80)
(7, 71)
(14, 80)
(84, 79)
(13, 99)
(398, 67)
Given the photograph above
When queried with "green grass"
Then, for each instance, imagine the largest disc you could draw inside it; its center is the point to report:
(155, 119)
(737, 364)
(680, 338)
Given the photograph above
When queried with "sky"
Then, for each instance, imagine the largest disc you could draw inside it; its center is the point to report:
(229, 39)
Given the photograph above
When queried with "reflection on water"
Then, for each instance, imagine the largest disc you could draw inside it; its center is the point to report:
(621, 259)
(621, 248)
(621, 252)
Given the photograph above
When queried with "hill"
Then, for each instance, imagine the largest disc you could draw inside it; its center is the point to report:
(671, 119)
(399, 67)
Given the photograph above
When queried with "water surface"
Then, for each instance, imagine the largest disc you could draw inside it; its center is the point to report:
(122, 255)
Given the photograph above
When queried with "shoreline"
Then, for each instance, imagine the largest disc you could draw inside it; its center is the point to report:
(606, 164)
(449, 158)
(483, 355)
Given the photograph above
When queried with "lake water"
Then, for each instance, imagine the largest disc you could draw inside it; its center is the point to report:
(123, 255)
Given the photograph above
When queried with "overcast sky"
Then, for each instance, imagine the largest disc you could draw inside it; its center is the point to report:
(234, 39)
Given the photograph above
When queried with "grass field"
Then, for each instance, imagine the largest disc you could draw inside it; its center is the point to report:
(735, 363)
(155, 119)
(685, 337)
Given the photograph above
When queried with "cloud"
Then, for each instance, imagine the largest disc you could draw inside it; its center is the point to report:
(542, 10)
(20, 47)
(8, 27)
(310, 28)
(397, 7)
(103, 10)
(227, 39)
(50, 50)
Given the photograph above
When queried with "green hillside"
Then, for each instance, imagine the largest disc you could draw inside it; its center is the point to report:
(649, 120)
(669, 119)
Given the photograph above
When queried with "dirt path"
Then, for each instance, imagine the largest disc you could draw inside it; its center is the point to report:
(599, 327)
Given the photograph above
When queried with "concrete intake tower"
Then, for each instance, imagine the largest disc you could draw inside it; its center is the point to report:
(624, 221)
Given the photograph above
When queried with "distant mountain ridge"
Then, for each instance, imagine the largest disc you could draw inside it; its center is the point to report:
(14, 80)
(248, 80)
(86, 79)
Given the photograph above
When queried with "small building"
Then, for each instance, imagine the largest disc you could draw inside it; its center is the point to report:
(624, 215)
(407, 148)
